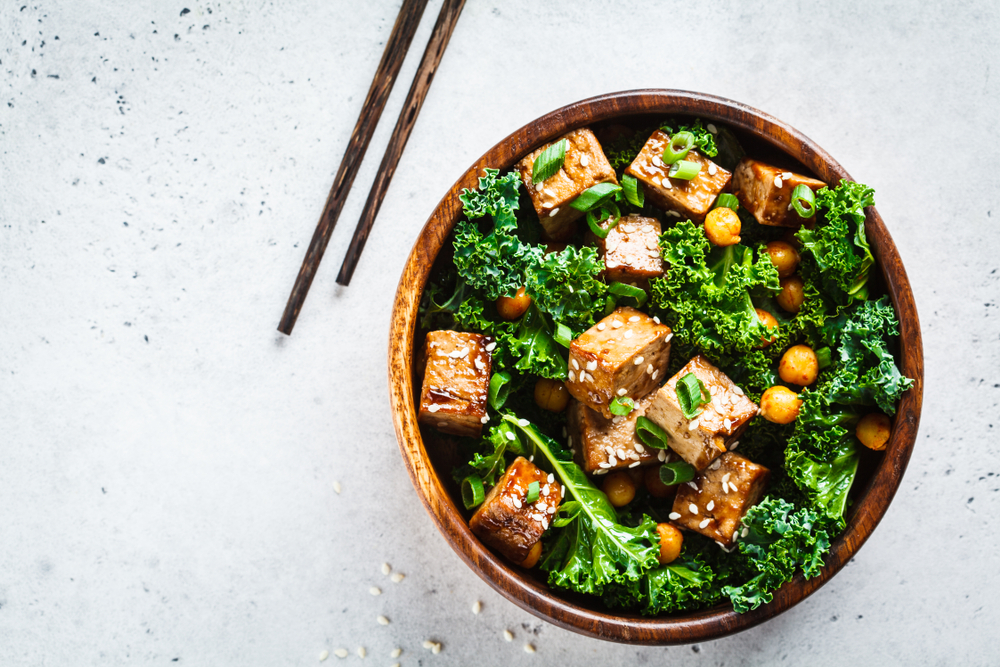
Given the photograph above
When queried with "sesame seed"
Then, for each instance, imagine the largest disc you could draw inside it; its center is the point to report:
(592, 365)
(693, 425)
(692, 485)
(657, 161)
(602, 472)
(727, 423)
(362, 652)
(744, 532)
(656, 180)
(634, 318)
(382, 620)
(712, 169)
(572, 376)
(725, 478)
(491, 346)
(666, 339)
(710, 506)
(508, 635)
(549, 192)
(738, 391)
(655, 373)
(584, 160)
(375, 590)
(715, 464)
(693, 508)
(734, 446)
(553, 212)
(634, 464)
(529, 648)
(656, 319)
(341, 652)
(601, 326)
(777, 182)
(428, 644)
(639, 448)
(786, 175)
(511, 436)
(674, 213)
(516, 501)
(622, 391)
(551, 509)
(725, 487)
(436, 648)
(551, 478)
(649, 369)
(628, 333)
(337, 487)
(396, 652)
(609, 450)
(673, 516)
(397, 577)
(612, 462)
(545, 491)
(541, 507)
(711, 128)
(477, 607)
(569, 441)
(704, 523)
(324, 655)
(667, 184)
(522, 422)
(395, 664)
(538, 187)
(574, 364)
(617, 324)
(621, 453)
(661, 455)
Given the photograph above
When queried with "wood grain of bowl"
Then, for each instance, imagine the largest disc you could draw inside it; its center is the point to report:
(878, 478)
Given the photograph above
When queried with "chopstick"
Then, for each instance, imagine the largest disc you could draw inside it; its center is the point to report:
(447, 18)
(385, 76)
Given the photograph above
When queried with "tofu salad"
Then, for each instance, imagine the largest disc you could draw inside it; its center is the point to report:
(655, 363)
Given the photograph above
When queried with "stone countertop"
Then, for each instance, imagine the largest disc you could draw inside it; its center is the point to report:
(169, 459)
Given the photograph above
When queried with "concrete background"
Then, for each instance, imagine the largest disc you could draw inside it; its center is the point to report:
(168, 459)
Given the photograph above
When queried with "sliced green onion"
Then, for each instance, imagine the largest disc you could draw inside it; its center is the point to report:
(651, 434)
(621, 289)
(563, 334)
(549, 161)
(823, 357)
(678, 147)
(594, 196)
(684, 170)
(633, 191)
(472, 491)
(608, 210)
(621, 405)
(532, 493)
(804, 201)
(676, 472)
(609, 305)
(727, 200)
(499, 389)
(691, 395)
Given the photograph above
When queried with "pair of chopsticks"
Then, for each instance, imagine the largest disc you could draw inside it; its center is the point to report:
(385, 76)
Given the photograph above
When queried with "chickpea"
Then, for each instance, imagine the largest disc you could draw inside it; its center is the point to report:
(619, 488)
(791, 296)
(512, 307)
(722, 226)
(551, 395)
(784, 257)
(656, 488)
(780, 405)
(671, 540)
(769, 321)
(798, 365)
(873, 431)
(533, 556)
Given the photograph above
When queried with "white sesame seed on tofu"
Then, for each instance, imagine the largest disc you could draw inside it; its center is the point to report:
(622, 391)
(553, 212)
(608, 450)
(778, 182)
(661, 455)
(584, 160)
(666, 339)
(655, 373)
(725, 478)
(612, 462)
(572, 377)
(710, 506)
(738, 391)
(728, 423)
(485, 419)
(433, 408)
(491, 346)
(551, 509)
(786, 175)
(516, 501)
(693, 508)
(551, 478)
(734, 445)
(715, 464)
(634, 318)
(592, 365)
(656, 319)
(639, 448)
(744, 532)
(603, 470)
(667, 184)
(617, 324)
(601, 326)
(628, 333)
(656, 180)
(649, 369)
(621, 453)
(692, 484)
(549, 193)
(634, 464)
(673, 516)
(575, 364)
(704, 523)
(712, 169)
(725, 487)
(539, 186)
(694, 424)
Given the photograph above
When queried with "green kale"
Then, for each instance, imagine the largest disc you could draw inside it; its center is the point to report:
(622, 150)
(566, 286)
(497, 197)
(535, 349)
(704, 140)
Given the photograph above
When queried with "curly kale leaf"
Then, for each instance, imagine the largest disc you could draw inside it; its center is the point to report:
(497, 197)
(565, 285)
(704, 140)
(535, 349)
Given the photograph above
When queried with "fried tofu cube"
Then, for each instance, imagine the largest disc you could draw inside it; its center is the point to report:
(714, 502)
(601, 444)
(703, 438)
(585, 166)
(631, 251)
(506, 522)
(622, 355)
(686, 199)
(456, 382)
(766, 192)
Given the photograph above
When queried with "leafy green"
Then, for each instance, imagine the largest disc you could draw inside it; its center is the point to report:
(566, 286)
(497, 197)
(622, 150)
(704, 140)
(499, 441)
(535, 349)
(686, 583)
(780, 541)
(839, 246)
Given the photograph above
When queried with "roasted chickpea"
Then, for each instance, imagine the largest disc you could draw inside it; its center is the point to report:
(512, 307)
(769, 321)
(791, 296)
(671, 540)
(798, 365)
(533, 556)
(780, 405)
(619, 488)
(784, 257)
(551, 395)
(873, 431)
(656, 488)
(722, 226)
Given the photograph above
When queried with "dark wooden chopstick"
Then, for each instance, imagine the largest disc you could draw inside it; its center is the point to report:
(445, 25)
(385, 76)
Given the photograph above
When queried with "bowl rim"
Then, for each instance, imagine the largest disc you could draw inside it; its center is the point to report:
(872, 501)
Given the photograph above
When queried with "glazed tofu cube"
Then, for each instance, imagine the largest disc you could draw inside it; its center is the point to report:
(506, 522)
(601, 444)
(456, 382)
(680, 198)
(766, 192)
(702, 439)
(622, 355)
(631, 251)
(585, 166)
(714, 502)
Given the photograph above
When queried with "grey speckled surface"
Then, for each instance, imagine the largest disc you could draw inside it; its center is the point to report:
(168, 458)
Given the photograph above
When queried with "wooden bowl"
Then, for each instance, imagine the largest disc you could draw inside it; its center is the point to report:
(879, 475)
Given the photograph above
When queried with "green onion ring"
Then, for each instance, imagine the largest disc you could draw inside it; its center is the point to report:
(472, 491)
